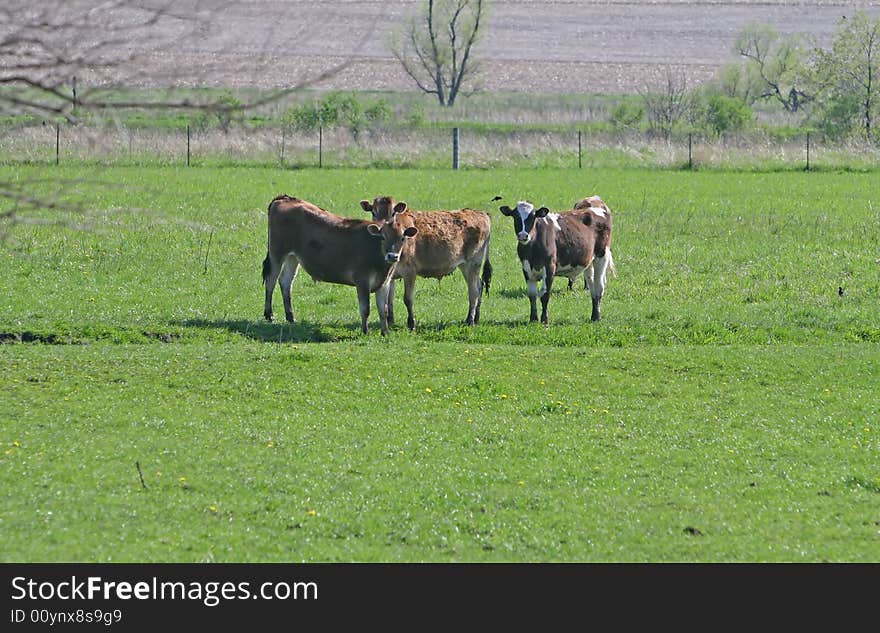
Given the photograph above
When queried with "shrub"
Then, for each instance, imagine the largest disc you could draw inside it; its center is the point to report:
(228, 108)
(338, 109)
(727, 114)
(627, 115)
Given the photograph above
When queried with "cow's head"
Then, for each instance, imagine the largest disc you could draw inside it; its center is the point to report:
(394, 236)
(524, 216)
(383, 208)
(595, 203)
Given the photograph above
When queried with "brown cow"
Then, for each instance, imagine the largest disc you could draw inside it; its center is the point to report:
(447, 240)
(333, 249)
(563, 244)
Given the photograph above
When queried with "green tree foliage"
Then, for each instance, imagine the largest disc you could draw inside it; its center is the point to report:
(725, 114)
(227, 110)
(775, 67)
(737, 80)
(851, 70)
(627, 115)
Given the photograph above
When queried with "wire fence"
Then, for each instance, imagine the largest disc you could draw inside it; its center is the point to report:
(434, 147)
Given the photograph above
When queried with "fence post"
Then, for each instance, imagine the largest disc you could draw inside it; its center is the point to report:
(283, 130)
(690, 152)
(808, 151)
(455, 148)
(320, 146)
(57, 143)
(580, 164)
(187, 144)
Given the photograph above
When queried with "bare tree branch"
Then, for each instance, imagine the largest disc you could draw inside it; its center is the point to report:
(439, 58)
(778, 62)
(63, 59)
(666, 107)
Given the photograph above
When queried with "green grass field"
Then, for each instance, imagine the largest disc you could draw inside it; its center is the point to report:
(724, 409)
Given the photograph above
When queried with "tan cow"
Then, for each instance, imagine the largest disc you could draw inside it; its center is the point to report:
(334, 249)
(447, 240)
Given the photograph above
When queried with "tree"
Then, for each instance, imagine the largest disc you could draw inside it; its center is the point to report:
(852, 69)
(668, 106)
(435, 47)
(776, 63)
(736, 80)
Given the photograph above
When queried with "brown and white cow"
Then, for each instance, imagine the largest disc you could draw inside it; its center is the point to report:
(334, 249)
(564, 244)
(447, 240)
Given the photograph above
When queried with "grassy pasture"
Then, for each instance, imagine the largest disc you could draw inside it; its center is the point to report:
(724, 409)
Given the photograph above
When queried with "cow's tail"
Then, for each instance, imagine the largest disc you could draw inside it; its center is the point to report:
(611, 267)
(267, 266)
(487, 270)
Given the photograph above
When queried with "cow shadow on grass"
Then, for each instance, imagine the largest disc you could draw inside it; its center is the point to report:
(521, 293)
(264, 331)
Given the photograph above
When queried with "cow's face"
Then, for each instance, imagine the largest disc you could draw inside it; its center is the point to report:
(383, 208)
(394, 236)
(524, 216)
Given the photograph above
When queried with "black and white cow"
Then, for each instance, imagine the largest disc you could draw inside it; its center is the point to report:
(564, 244)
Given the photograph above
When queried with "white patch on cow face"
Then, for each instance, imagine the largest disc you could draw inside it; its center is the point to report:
(524, 209)
(554, 219)
(598, 211)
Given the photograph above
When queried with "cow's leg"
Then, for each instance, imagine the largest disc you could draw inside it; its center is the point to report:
(409, 291)
(285, 280)
(271, 269)
(570, 283)
(383, 294)
(389, 309)
(597, 285)
(546, 286)
(532, 288)
(363, 294)
(588, 277)
(475, 290)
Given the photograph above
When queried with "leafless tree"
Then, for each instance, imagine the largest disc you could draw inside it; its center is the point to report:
(666, 107)
(436, 46)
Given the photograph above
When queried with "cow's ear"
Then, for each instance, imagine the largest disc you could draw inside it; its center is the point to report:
(506, 210)
(400, 207)
(374, 230)
(367, 206)
(411, 231)
(542, 212)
